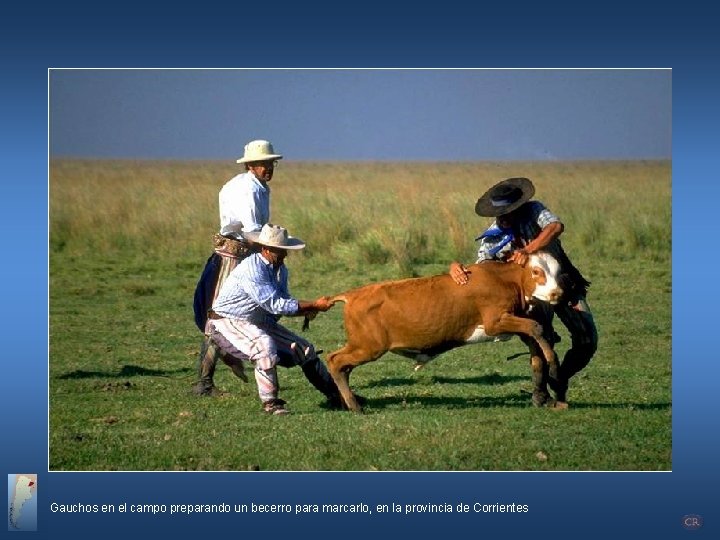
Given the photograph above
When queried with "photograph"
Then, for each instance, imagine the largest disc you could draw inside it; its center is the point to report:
(360, 270)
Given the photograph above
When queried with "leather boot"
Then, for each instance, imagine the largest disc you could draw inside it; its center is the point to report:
(207, 360)
(319, 377)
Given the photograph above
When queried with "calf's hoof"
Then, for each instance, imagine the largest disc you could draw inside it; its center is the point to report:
(336, 402)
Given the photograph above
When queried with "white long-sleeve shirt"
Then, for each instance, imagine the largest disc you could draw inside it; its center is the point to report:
(244, 205)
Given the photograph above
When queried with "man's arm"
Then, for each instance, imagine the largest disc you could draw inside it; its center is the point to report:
(311, 307)
(549, 233)
(491, 248)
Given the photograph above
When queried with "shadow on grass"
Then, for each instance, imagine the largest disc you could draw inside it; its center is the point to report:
(126, 371)
(520, 400)
(488, 380)
(631, 406)
(450, 402)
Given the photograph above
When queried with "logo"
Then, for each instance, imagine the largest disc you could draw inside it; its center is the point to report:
(692, 522)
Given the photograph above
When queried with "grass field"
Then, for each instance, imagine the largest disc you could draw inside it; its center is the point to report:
(129, 239)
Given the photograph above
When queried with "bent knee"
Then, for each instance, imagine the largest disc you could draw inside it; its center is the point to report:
(590, 343)
(265, 361)
(585, 350)
(301, 352)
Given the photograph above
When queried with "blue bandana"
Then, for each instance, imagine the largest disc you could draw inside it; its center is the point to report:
(499, 236)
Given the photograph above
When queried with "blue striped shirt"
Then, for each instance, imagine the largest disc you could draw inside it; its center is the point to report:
(256, 292)
(533, 218)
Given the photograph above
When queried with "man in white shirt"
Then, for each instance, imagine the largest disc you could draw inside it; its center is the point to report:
(244, 207)
(245, 199)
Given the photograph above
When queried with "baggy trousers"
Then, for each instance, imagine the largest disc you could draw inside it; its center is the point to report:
(267, 346)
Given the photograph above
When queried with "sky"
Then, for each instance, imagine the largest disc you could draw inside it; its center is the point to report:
(343, 114)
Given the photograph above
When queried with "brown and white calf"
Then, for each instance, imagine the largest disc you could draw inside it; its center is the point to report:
(424, 317)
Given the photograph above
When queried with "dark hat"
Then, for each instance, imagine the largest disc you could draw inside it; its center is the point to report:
(504, 197)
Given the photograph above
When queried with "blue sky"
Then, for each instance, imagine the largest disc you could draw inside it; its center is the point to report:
(363, 114)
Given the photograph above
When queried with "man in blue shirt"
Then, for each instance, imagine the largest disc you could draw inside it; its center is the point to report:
(523, 226)
(244, 319)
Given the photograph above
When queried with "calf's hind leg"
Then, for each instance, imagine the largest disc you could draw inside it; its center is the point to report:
(340, 363)
(547, 369)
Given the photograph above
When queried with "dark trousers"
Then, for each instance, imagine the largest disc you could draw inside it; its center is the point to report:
(578, 319)
(205, 290)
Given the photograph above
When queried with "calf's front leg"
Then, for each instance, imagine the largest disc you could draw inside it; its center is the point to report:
(539, 366)
(507, 322)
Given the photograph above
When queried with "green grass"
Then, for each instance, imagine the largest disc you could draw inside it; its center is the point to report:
(123, 344)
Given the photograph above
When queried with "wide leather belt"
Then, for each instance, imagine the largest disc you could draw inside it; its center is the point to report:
(224, 245)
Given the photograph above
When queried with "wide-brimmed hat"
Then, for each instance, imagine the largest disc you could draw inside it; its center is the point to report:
(504, 197)
(274, 236)
(259, 150)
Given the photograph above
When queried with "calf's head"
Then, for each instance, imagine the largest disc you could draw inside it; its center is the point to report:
(543, 271)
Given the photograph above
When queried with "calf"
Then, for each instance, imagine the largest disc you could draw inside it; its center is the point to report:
(424, 317)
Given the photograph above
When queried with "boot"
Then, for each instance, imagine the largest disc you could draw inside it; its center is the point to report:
(319, 377)
(275, 407)
(207, 360)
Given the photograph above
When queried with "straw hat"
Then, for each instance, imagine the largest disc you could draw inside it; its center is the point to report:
(259, 150)
(504, 197)
(274, 236)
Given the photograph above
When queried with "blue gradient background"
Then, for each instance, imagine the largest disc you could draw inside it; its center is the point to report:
(575, 505)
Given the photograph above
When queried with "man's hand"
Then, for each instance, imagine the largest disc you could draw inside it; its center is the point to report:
(519, 256)
(459, 273)
(311, 309)
(322, 304)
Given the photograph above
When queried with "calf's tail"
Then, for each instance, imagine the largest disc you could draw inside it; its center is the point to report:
(338, 298)
(333, 300)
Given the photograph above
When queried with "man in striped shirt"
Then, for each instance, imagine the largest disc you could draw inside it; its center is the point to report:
(522, 227)
(244, 319)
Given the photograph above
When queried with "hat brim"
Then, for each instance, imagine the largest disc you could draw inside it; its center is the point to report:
(292, 242)
(268, 157)
(485, 207)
